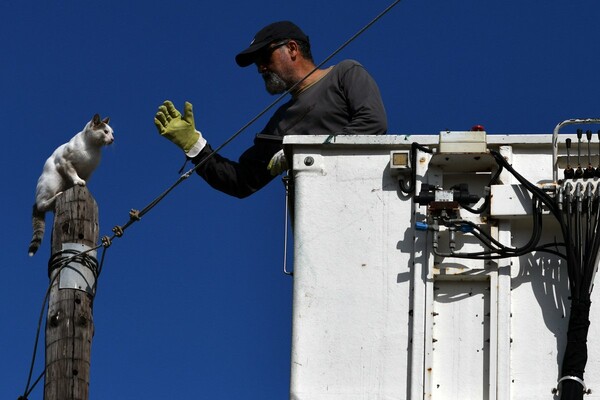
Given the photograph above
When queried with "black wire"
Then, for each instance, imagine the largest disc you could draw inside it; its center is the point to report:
(413, 173)
(591, 251)
(497, 249)
(580, 260)
(571, 273)
(506, 252)
(595, 241)
(37, 334)
(543, 196)
(24, 397)
(486, 202)
(479, 210)
(483, 238)
(481, 231)
(500, 250)
(570, 252)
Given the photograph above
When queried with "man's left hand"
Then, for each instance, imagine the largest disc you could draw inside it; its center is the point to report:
(278, 164)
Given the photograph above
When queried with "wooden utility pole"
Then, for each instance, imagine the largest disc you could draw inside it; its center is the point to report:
(69, 325)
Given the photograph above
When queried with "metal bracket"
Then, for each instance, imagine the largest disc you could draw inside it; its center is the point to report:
(556, 390)
(76, 275)
(573, 121)
(286, 182)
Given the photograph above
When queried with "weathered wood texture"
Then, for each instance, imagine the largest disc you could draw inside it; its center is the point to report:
(69, 325)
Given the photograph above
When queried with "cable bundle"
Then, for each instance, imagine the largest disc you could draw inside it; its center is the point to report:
(576, 207)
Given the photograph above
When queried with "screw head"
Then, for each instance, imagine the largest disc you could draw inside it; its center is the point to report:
(308, 161)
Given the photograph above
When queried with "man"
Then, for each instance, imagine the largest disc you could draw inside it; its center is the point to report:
(342, 99)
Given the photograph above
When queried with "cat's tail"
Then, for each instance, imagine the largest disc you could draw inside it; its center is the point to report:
(39, 226)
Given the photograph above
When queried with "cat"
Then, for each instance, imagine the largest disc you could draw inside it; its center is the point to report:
(71, 164)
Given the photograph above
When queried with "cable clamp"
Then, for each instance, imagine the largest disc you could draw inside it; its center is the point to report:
(106, 241)
(118, 231)
(134, 215)
(556, 390)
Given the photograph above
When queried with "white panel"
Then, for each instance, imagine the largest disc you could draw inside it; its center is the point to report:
(351, 279)
(461, 332)
(510, 201)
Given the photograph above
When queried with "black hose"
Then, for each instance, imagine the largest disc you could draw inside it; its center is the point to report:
(410, 189)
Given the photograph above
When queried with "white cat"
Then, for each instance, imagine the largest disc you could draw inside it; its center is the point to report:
(71, 164)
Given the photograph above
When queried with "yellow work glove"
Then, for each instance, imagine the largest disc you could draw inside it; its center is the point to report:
(179, 129)
(278, 164)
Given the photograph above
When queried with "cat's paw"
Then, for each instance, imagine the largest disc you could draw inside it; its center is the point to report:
(79, 182)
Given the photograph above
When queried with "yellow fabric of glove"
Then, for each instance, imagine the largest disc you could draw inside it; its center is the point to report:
(175, 127)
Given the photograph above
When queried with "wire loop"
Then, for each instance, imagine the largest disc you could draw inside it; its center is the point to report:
(62, 258)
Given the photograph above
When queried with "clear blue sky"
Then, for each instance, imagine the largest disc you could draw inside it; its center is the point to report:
(192, 302)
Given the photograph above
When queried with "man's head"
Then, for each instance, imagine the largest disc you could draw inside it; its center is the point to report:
(272, 37)
(281, 52)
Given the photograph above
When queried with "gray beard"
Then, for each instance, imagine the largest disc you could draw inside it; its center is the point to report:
(274, 83)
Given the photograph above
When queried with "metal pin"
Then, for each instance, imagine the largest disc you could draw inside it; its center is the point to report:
(569, 172)
(579, 171)
(589, 171)
(597, 174)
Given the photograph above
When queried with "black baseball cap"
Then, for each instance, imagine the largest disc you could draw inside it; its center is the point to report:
(270, 33)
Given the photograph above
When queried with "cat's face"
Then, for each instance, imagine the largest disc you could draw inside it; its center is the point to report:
(101, 131)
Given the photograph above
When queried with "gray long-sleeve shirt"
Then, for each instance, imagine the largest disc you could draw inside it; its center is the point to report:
(345, 101)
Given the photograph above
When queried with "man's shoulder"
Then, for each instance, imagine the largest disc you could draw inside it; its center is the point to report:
(347, 64)
(348, 68)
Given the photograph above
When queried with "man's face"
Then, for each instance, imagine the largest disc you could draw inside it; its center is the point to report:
(274, 66)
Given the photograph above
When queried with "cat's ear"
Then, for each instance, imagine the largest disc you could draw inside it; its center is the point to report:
(105, 120)
(96, 120)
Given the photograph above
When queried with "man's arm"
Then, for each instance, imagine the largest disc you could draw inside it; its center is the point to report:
(239, 179)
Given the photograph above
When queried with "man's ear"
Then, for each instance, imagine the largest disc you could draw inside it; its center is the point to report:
(293, 49)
